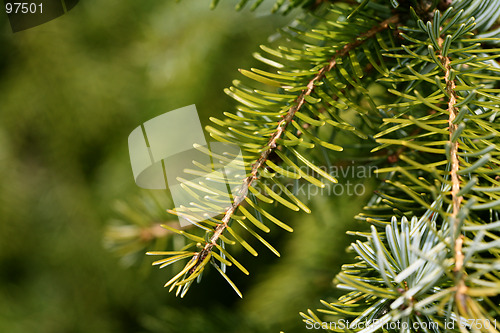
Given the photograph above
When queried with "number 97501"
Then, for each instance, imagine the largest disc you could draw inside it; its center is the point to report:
(23, 8)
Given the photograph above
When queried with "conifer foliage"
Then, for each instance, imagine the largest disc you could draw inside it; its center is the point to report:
(415, 86)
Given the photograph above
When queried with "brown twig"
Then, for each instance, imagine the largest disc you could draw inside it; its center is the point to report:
(282, 125)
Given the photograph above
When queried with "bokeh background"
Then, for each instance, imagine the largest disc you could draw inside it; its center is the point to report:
(71, 91)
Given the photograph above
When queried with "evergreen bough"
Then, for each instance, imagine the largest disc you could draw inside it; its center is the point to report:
(409, 86)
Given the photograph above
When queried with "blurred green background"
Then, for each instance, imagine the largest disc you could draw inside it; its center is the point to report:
(71, 91)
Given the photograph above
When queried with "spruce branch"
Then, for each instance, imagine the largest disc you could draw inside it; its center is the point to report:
(282, 125)
(461, 288)
(444, 95)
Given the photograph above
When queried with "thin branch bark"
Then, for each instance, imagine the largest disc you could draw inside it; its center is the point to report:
(455, 182)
